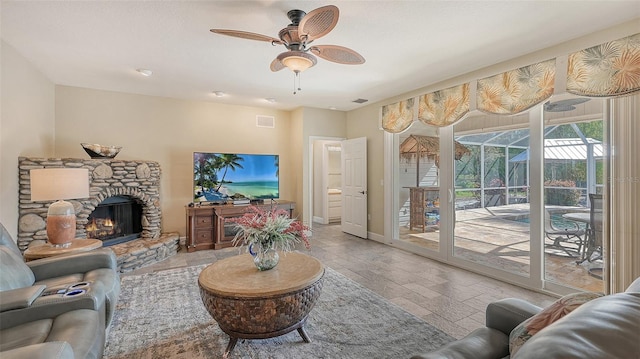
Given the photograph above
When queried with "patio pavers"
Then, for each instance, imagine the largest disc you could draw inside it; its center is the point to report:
(483, 235)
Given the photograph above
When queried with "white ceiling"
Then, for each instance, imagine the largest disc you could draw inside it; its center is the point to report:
(407, 44)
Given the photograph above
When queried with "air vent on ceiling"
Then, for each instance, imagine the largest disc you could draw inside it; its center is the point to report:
(360, 100)
(265, 121)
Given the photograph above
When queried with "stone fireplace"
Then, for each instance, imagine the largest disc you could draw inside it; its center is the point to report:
(121, 190)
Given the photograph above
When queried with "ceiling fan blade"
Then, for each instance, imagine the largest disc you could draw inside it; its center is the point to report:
(571, 101)
(247, 35)
(276, 65)
(318, 22)
(339, 54)
(564, 105)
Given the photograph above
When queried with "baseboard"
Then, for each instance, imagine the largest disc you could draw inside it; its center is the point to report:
(376, 237)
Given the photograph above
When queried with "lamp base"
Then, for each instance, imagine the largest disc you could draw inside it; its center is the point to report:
(61, 224)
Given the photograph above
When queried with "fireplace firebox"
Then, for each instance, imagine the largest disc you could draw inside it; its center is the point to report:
(115, 220)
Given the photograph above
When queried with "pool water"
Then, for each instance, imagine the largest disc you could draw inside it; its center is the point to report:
(558, 222)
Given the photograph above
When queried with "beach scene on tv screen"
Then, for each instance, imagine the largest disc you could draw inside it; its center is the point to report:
(224, 176)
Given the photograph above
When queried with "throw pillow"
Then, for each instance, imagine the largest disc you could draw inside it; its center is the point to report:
(563, 306)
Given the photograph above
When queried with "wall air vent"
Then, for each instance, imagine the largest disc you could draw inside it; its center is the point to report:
(265, 121)
(360, 100)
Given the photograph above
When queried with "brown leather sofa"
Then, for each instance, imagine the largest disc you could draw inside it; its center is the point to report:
(58, 307)
(604, 328)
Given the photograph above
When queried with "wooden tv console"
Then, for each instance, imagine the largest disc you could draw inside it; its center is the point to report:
(208, 226)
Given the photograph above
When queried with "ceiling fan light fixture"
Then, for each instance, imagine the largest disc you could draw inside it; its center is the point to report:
(297, 61)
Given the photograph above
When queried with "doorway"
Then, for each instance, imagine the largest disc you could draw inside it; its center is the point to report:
(325, 180)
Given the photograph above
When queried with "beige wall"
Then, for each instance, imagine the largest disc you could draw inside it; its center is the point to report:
(26, 126)
(169, 131)
(295, 148)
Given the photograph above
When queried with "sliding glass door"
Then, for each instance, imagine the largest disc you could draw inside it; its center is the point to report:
(511, 197)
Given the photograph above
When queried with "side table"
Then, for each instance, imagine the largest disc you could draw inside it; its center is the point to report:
(47, 250)
(252, 304)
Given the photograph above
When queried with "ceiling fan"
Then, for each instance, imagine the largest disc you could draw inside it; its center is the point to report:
(297, 38)
(564, 105)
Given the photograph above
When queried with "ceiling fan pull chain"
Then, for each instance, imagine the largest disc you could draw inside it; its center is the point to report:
(294, 82)
(296, 76)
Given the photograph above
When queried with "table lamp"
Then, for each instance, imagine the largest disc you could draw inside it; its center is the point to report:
(48, 184)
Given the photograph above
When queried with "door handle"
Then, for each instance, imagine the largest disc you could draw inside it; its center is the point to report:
(363, 192)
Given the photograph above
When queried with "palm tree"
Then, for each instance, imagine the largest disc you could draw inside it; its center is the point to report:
(228, 161)
(205, 171)
(276, 160)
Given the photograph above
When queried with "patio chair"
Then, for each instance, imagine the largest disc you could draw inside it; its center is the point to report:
(568, 240)
(594, 232)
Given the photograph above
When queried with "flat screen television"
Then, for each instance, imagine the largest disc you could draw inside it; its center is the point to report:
(218, 177)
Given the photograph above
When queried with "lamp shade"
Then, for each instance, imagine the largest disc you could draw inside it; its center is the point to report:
(50, 184)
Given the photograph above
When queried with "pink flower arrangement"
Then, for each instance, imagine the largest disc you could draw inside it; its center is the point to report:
(261, 230)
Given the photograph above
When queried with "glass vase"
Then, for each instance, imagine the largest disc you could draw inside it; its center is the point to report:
(265, 258)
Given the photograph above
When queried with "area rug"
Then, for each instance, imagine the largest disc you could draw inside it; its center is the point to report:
(161, 315)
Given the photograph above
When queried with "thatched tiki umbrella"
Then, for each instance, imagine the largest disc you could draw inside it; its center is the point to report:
(419, 146)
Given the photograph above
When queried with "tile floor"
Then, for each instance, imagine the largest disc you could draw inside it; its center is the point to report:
(449, 298)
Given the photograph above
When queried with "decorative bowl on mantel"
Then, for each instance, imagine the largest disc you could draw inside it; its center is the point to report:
(100, 151)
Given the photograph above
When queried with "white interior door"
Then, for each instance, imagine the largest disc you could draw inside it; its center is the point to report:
(354, 186)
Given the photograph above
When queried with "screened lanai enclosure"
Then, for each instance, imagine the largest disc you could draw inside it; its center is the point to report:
(496, 172)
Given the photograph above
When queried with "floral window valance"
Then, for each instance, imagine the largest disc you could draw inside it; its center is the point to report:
(609, 69)
(517, 90)
(397, 117)
(444, 107)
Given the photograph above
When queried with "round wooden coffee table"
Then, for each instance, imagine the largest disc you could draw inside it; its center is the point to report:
(252, 304)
